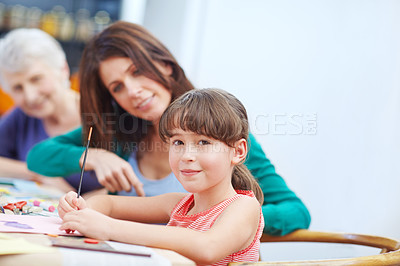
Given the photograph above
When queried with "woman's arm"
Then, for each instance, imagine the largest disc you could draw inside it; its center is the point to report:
(14, 127)
(57, 156)
(15, 168)
(241, 217)
(283, 211)
(63, 155)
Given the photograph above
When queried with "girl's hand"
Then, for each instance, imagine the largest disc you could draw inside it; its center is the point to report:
(70, 203)
(88, 222)
(113, 172)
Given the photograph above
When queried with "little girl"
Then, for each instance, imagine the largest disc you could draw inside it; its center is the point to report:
(220, 221)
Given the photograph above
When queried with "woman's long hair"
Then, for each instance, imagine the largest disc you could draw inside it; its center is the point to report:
(113, 127)
(216, 114)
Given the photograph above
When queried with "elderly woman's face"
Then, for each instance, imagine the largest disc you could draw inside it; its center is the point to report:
(37, 90)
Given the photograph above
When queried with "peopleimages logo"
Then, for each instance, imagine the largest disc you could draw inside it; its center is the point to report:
(113, 123)
(285, 124)
(261, 124)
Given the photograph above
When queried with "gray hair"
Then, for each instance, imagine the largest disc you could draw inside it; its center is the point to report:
(20, 48)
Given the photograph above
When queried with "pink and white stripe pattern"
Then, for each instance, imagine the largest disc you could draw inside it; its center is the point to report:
(203, 221)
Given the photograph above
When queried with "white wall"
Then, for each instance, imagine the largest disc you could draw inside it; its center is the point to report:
(133, 11)
(321, 82)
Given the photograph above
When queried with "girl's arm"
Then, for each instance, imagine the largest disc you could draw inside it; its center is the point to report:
(140, 209)
(155, 209)
(283, 211)
(234, 230)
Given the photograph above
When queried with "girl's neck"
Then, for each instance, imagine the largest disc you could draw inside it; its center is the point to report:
(207, 199)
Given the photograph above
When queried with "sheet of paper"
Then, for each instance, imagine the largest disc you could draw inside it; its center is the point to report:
(26, 188)
(99, 245)
(9, 245)
(130, 248)
(32, 224)
(77, 257)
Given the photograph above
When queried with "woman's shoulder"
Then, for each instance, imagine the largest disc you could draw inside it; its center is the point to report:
(18, 117)
(14, 113)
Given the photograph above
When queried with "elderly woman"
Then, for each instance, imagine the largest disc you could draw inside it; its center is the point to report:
(35, 73)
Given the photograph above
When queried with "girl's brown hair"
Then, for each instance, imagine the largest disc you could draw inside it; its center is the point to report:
(112, 124)
(216, 114)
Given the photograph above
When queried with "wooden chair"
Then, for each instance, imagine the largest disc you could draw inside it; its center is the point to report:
(390, 248)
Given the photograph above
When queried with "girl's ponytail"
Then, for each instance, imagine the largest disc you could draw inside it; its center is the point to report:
(242, 179)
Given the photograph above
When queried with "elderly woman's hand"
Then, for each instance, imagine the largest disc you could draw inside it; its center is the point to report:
(53, 182)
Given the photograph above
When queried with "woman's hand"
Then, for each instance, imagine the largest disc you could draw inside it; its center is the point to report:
(70, 203)
(113, 172)
(89, 223)
(53, 182)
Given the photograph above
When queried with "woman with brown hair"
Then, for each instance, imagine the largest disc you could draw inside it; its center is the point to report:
(127, 80)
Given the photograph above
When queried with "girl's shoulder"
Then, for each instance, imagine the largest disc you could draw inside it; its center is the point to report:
(171, 200)
(176, 196)
(246, 197)
(244, 202)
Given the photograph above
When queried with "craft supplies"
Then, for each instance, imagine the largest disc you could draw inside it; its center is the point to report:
(45, 205)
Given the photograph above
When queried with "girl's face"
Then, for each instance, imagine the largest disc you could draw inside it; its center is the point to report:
(37, 90)
(200, 163)
(138, 95)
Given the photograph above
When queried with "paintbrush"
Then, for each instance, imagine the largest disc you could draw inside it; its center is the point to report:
(84, 161)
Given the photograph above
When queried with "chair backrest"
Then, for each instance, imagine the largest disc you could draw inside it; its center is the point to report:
(390, 248)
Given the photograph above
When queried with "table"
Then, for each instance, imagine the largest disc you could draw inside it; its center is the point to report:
(59, 256)
(69, 257)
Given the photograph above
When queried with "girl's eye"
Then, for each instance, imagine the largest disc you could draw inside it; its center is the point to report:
(177, 142)
(204, 142)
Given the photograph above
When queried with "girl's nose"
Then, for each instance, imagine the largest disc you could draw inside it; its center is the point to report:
(189, 154)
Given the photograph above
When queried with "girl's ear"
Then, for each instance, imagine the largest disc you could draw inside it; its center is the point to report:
(240, 151)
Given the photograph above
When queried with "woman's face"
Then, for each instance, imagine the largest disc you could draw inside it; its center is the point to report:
(138, 95)
(38, 89)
